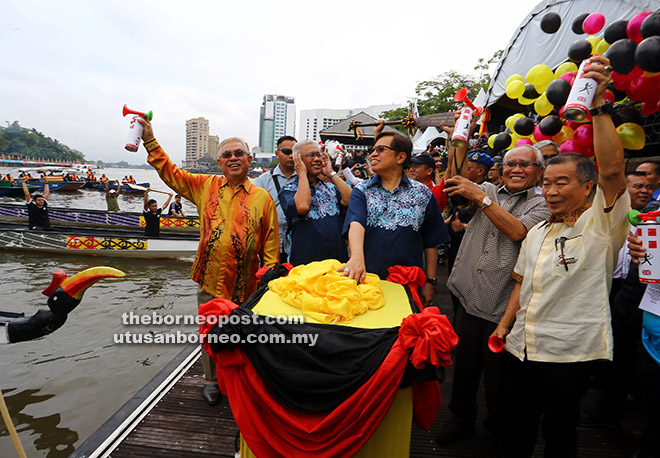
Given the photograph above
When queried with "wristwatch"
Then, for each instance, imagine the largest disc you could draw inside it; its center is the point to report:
(606, 108)
(331, 175)
(432, 281)
(485, 203)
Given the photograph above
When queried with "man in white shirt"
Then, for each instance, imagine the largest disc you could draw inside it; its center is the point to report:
(557, 320)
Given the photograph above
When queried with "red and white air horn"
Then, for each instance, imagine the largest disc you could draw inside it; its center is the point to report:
(136, 129)
(462, 129)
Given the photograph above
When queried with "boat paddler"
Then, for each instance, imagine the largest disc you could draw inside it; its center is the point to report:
(37, 206)
(238, 227)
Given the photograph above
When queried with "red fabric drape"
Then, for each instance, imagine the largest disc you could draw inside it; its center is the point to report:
(409, 276)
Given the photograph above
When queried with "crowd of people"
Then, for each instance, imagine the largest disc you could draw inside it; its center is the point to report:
(535, 240)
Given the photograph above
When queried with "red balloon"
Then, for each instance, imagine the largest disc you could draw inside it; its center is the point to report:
(538, 135)
(632, 29)
(569, 76)
(609, 95)
(650, 108)
(588, 151)
(572, 124)
(584, 135)
(524, 141)
(644, 89)
(621, 82)
(569, 146)
(594, 23)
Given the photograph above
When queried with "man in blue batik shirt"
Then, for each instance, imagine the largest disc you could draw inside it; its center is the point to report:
(312, 207)
(393, 220)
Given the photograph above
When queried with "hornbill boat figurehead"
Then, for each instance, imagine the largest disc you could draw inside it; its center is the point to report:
(64, 295)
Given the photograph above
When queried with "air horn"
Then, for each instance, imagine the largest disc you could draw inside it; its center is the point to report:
(136, 129)
(462, 130)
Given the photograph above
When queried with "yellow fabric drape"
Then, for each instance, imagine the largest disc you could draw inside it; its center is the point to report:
(322, 293)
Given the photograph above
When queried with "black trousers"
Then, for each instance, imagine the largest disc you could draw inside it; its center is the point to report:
(472, 358)
(548, 394)
(648, 372)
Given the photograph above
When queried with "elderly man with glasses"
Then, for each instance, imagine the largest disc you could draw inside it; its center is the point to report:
(391, 219)
(273, 182)
(238, 227)
(313, 207)
(481, 280)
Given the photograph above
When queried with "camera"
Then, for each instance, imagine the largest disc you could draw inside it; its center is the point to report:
(456, 200)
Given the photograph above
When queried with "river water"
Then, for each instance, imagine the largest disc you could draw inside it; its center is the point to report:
(61, 388)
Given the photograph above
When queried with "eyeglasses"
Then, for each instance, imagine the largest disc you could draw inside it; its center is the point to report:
(522, 164)
(228, 154)
(381, 149)
(286, 151)
(315, 155)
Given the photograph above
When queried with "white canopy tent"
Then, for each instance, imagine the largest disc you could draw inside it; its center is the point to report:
(422, 142)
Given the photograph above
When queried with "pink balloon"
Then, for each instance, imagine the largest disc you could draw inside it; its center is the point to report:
(538, 135)
(593, 23)
(584, 135)
(632, 29)
(524, 141)
(570, 77)
(569, 146)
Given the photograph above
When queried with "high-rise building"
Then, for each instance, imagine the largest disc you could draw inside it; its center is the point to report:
(214, 143)
(277, 117)
(314, 121)
(197, 141)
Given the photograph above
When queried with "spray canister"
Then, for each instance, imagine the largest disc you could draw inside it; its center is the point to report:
(462, 129)
(581, 95)
(135, 130)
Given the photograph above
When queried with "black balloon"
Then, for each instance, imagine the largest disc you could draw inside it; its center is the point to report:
(530, 92)
(622, 55)
(651, 25)
(523, 127)
(550, 125)
(502, 141)
(550, 22)
(616, 31)
(579, 50)
(626, 114)
(577, 23)
(647, 54)
(558, 91)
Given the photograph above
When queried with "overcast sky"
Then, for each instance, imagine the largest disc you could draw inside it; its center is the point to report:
(69, 66)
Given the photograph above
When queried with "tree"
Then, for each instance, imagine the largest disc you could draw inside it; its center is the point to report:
(437, 95)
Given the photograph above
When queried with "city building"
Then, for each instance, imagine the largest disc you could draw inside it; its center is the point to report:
(277, 117)
(214, 144)
(314, 121)
(197, 141)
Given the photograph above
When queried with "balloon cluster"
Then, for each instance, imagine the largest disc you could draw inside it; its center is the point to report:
(633, 47)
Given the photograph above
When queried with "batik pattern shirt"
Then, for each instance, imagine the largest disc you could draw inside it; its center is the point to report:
(398, 225)
(315, 236)
(238, 228)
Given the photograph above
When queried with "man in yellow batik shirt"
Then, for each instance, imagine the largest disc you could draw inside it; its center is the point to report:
(238, 227)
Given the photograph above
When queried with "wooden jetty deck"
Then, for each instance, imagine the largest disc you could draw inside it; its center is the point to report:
(168, 417)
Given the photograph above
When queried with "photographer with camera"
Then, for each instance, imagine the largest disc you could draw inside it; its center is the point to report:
(481, 277)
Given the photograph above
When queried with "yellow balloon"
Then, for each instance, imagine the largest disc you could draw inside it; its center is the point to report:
(515, 89)
(565, 68)
(525, 101)
(543, 106)
(515, 77)
(538, 75)
(566, 133)
(594, 40)
(541, 89)
(514, 139)
(632, 135)
(491, 141)
(601, 47)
